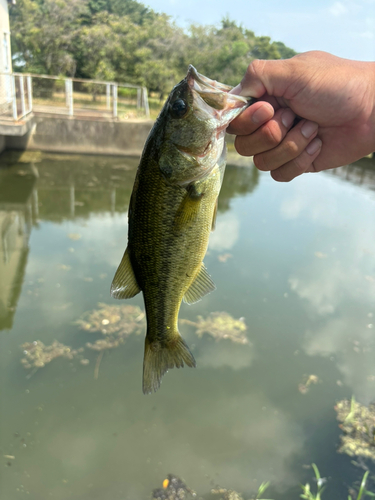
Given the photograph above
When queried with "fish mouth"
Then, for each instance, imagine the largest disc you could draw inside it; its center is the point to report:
(202, 80)
(222, 105)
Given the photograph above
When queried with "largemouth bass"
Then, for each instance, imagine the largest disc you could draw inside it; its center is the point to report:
(171, 213)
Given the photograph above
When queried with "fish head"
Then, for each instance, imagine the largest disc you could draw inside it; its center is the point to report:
(194, 119)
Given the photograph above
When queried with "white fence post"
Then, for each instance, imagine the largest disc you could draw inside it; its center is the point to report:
(145, 102)
(71, 98)
(139, 97)
(30, 94)
(22, 92)
(69, 95)
(108, 92)
(114, 90)
(14, 97)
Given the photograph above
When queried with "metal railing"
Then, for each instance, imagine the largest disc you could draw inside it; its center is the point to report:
(15, 96)
(22, 93)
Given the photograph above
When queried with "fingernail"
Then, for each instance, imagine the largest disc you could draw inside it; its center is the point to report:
(261, 115)
(314, 145)
(287, 118)
(308, 128)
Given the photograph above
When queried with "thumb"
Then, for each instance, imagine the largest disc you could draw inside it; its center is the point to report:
(270, 77)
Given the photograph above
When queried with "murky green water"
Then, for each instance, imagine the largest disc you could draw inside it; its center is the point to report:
(296, 261)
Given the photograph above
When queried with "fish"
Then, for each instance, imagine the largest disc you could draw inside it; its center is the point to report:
(172, 211)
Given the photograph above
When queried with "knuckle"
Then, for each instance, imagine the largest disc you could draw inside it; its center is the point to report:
(260, 163)
(272, 134)
(278, 176)
(255, 67)
(291, 149)
(241, 145)
(300, 165)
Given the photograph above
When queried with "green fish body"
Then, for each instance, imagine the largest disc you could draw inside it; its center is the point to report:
(171, 214)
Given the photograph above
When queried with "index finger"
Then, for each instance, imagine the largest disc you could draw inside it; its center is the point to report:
(251, 118)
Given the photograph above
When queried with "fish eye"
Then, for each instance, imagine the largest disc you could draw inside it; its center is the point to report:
(179, 108)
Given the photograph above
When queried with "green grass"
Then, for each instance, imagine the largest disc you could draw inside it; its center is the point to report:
(307, 494)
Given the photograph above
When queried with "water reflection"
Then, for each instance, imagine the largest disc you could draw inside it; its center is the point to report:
(361, 173)
(300, 271)
(337, 285)
(17, 209)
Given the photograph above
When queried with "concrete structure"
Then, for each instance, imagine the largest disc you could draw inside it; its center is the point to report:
(74, 135)
(5, 53)
(5, 60)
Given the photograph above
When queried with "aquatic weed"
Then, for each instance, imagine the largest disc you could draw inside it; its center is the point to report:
(309, 495)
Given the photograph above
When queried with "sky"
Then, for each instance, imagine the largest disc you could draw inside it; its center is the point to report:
(345, 28)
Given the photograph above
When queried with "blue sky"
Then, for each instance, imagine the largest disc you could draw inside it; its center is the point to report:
(345, 28)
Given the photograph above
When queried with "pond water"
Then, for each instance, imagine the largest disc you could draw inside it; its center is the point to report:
(296, 262)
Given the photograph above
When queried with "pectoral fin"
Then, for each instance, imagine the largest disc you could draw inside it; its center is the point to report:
(189, 208)
(124, 284)
(213, 225)
(201, 286)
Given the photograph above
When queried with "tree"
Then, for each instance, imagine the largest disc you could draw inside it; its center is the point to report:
(125, 41)
(44, 32)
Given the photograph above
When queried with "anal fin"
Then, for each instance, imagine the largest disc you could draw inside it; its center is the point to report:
(124, 284)
(201, 286)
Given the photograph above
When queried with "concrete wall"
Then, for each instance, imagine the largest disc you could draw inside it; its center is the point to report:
(72, 135)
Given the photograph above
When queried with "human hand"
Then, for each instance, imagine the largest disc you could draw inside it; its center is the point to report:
(334, 97)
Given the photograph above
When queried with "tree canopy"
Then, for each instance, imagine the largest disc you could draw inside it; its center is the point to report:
(125, 41)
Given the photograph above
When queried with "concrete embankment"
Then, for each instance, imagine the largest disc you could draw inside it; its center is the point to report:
(56, 134)
(72, 135)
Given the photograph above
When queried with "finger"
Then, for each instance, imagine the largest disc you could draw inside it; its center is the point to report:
(303, 163)
(292, 146)
(268, 136)
(271, 76)
(251, 119)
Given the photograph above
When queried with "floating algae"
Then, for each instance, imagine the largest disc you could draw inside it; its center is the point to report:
(173, 489)
(116, 323)
(358, 426)
(226, 494)
(308, 380)
(221, 325)
(37, 355)
(234, 495)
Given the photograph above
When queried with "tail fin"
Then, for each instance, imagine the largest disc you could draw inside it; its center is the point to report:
(162, 356)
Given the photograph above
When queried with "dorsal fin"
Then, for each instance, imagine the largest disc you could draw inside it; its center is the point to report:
(124, 284)
(201, 286)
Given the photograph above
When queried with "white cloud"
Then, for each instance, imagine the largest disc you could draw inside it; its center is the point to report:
(224, 353)
(338, 9)
(226, 232)
(348, 340)
(367, 34)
